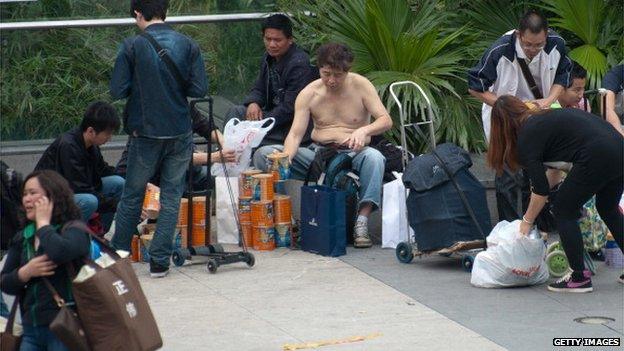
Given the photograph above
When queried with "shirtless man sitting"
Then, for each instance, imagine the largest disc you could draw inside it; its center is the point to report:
(341, 104)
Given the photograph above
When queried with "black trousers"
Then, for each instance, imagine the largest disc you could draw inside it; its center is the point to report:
(575, 191)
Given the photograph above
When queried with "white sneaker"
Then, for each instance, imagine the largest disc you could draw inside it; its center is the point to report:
(361, 239)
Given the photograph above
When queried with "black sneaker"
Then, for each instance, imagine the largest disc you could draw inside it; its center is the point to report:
(158, 271)
(621, 279)
(568, 284)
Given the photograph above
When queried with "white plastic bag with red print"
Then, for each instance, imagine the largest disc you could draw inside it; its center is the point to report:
(511, 259)
(242, 137)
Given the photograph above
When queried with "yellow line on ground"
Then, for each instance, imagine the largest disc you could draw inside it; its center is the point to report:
(317, 344)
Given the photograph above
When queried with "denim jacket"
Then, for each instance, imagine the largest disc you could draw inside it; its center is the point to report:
(157, 105)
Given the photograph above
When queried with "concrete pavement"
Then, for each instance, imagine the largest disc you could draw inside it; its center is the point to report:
(298, 300)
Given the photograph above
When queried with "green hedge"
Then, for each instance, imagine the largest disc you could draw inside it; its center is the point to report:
(50, 76)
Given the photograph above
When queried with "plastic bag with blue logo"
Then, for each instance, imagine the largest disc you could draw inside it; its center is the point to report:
(94, 251)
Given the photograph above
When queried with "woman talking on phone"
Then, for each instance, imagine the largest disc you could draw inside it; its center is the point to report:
(52, 237)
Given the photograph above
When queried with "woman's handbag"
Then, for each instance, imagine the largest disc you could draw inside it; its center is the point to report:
(66, 325)
(113, 308)
(8, 340)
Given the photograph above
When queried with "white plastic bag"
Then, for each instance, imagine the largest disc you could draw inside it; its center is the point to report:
(227, 231)
(242, 137)
(511, 259)
(394, 226)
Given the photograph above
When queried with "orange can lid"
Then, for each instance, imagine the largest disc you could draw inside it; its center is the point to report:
(263, 175)
(251, 171)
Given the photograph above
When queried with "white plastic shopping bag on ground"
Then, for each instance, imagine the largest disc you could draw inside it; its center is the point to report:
(511, 259)
(394, 226)
(242, 137)
(227, 231)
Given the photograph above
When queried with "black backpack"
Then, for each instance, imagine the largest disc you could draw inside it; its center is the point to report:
(333, 169)
(11, 199)
(393, 155)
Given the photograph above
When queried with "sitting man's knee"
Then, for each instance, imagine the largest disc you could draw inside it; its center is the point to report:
(260, 156)
(88, 204)
(374, 156)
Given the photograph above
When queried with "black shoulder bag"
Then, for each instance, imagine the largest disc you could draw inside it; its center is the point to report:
(200, 124)
(529, 79)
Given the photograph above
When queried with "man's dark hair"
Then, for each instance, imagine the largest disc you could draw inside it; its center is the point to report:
(280, 22)
(149, 8)
(101, 116)
(578, 72)
(533, 21)
(334, 55)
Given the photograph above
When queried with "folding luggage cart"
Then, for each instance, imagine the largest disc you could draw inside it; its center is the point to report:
(406, 250)
(215, 254)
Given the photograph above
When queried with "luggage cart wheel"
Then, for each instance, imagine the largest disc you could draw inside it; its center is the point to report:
(557, 263)
(467, 262)
(404, 252)
(249, 259)
(216, 248)
(212, 265)
(179, 256)
(553, 247)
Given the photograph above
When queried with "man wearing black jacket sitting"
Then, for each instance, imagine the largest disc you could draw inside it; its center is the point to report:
(285, 70)
(76, 156)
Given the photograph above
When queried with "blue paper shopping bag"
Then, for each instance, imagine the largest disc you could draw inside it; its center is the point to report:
(323, 229)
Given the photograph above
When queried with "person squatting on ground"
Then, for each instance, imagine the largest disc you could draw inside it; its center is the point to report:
(613, 82)
(285, 70)
(76, 156)
(572, 140)
(53, 236)
(158, 123)
(340, 105)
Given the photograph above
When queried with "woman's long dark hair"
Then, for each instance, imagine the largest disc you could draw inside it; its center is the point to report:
(58, 191)
(508, 114)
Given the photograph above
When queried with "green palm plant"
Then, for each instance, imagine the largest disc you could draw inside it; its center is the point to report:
(393, 41)
(597, 28)
(491, 19)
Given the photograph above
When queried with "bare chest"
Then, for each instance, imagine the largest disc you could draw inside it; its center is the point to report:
(347, 109)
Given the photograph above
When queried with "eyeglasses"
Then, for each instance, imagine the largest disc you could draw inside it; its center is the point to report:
(536, 47)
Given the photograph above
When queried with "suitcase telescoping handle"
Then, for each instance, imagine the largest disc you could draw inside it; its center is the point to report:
(427, 120)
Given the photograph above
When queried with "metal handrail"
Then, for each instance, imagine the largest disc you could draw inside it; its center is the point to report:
(116, 22)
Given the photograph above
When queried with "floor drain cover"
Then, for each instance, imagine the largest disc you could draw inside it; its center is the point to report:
(594, 320)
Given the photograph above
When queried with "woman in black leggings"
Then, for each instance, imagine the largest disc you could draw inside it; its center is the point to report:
(571, 140)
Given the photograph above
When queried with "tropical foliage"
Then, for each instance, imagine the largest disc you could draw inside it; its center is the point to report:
(595, 30)
(49, 76)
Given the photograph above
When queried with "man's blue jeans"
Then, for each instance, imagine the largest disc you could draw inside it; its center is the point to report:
(112, 187)
(146, 156)
(368, 163)
(40, 339)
